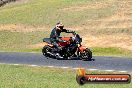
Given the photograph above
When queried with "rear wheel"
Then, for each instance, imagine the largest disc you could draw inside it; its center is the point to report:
(86, 55)
(45, 50)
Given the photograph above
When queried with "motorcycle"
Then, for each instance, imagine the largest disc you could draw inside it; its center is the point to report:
(71, 48)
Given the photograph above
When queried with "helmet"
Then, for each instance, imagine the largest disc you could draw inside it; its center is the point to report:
(59, 25)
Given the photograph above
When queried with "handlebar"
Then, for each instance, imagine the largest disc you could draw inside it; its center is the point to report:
(74, 33)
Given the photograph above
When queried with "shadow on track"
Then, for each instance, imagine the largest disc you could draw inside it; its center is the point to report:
(70, 59)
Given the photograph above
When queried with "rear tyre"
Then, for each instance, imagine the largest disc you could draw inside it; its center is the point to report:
(45, 50)
(86, 55)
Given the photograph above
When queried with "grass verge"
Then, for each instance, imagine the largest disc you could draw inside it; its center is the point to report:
(111, 51)
(42, 12)
(43, 77)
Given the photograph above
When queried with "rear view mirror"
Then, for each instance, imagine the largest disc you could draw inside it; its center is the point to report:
(80, 39)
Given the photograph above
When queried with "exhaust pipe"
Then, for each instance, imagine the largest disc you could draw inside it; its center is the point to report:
(50, 54)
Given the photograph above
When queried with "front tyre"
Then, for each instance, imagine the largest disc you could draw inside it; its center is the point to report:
(86, 55)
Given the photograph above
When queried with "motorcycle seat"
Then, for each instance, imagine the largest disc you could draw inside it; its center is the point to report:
(47, 40)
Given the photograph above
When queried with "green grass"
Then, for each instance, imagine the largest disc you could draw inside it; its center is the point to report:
(43, 77)
(110, 31)
(111, 51)
(43, 12)
(19, 40)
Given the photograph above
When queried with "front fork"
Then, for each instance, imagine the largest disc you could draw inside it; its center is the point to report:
(80, 50)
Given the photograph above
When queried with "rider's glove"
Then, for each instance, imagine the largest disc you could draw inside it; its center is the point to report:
(69, 31)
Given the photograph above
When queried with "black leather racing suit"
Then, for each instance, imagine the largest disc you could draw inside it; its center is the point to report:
(54, 37)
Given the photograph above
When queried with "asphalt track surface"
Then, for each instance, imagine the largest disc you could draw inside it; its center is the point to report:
(98, 62)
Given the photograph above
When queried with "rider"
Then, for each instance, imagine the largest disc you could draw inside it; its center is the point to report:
(55, 34)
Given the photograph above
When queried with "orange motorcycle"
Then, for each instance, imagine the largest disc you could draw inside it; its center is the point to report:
(71, 48)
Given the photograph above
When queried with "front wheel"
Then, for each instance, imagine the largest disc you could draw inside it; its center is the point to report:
(86, 55)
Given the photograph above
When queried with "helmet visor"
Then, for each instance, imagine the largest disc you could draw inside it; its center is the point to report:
(61, 27)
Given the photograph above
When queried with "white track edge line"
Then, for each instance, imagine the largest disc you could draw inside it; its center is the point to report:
(50, 66)
(92, 69)
(109, 70)
(122, 71)
(66, 67)
(33, 65)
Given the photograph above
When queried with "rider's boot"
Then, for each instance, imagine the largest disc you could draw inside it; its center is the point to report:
(58, 52)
